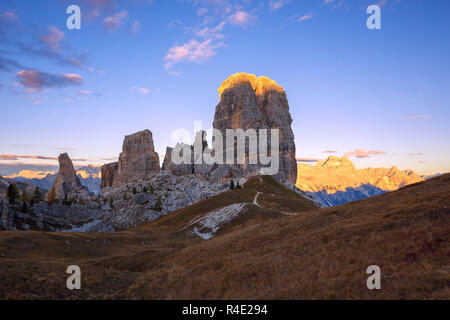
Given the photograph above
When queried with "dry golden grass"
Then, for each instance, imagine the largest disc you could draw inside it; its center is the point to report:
(320, 253)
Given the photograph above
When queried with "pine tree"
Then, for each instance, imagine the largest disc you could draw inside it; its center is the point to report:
(134, 190)
(238, 185)
(12, 193)
(37, 196)
(231, 185)
(24, 207)
(144, 190)
(111, 203)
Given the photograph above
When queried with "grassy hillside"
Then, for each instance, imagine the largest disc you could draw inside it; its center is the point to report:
(279, 248)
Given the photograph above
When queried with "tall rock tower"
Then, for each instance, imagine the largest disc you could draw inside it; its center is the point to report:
(247, 101)
(137, 160)
(66, 183)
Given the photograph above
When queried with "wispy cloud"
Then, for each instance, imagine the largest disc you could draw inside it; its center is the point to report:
(53, 38)
(84, 92)
(9, 19)
(202, 11)
(361, 153)
(113, 22)
(240, 18)
(35, 80)
(305, 17)
(7, 64)
(14, 157)
(140, 90)
(306, 159)
(329, 151)
(135, 27)
(275, 5)
(381, 3)
(423, 117)
(193, 51)
(415, 154)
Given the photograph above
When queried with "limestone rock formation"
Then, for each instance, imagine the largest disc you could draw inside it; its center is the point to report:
(335, 180)
(137, 160)
(247, 101)
(66, 183)
(195, 166)
(109, 171)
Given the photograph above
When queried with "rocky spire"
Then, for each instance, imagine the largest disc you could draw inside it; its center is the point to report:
(247, 101)
(66, 183)
(137, 160)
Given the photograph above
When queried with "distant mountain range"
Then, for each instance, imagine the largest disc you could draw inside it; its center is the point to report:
(90, 177)
(335, 180)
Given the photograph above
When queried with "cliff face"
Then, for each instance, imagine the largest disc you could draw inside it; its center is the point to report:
(66, 182)
(336, 180)
(247, 101)
(137, 160)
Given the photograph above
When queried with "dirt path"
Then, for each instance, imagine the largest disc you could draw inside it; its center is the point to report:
(256, 198)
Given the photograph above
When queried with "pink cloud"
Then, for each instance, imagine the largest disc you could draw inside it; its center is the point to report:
(361, 153)
(305, 17)
(202, 11)
(8, 15)
(37, 80)
(240, 18)
(135, 27)
(193, 51)
(114, 21)
(84, 92)
(53, 38)
(275, 5)
(140, 90)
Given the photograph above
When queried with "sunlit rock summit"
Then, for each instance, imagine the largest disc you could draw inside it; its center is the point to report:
(247, 102)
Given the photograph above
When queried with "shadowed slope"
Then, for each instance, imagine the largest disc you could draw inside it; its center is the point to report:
(322, 253)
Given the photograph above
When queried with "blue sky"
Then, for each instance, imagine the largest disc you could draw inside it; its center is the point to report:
(379, 96)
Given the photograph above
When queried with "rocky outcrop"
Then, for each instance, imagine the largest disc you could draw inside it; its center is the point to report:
(67, 184)
(109, 171)
(247, 102)
(250, 102)
(162, 193)
(137, 160)
(335, 180)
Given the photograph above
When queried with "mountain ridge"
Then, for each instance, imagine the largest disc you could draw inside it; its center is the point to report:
(335, 180)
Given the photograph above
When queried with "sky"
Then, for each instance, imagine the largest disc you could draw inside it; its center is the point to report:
(380, 97)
